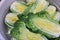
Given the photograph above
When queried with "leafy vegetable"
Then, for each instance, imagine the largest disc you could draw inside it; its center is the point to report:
(10, 19)
(51, 10)
(18, 7)
(20, 32)
(29, 2)
(57, 16)
(44, 25)
(40, 6)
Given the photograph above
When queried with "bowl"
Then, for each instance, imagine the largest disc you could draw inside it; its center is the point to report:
(4, 8)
